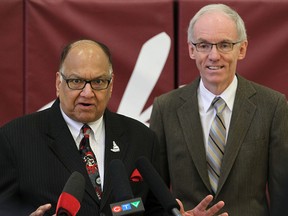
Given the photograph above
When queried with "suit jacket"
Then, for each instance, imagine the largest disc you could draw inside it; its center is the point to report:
(256, 150)
(38, 154)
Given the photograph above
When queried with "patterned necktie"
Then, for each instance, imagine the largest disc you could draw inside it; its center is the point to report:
(216, 143)
(90, 160)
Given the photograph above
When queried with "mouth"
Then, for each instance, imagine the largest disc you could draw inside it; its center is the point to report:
(85, 104)
(215, 67)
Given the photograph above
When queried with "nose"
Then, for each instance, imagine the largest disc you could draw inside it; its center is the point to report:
(87, 91)
(214, 53)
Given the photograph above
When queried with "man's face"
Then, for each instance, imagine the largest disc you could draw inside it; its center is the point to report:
(217, 69)
(84, 61)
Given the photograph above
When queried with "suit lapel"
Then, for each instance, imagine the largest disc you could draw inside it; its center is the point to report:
(63, 142)
(190, 122)
(114, 138)
(242, 115)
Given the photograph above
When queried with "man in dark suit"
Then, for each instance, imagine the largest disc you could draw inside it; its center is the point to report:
(41, 150)
(246, 149)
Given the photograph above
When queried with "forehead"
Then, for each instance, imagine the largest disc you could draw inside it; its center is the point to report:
(215, 27)
(86, 50)
(86, 57)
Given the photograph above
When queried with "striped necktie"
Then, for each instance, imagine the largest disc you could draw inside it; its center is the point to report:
(216, 143)
(90, 160)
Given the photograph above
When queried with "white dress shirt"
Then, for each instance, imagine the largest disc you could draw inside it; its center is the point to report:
(97, 139)
(207, 112)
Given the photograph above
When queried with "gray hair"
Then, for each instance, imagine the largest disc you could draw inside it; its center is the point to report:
(241, 30)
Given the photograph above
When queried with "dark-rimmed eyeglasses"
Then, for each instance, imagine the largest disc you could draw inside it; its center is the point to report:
(79, 84)
(206, 47)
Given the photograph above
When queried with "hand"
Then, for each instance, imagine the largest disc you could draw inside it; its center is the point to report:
(201, 208)
(41, 210)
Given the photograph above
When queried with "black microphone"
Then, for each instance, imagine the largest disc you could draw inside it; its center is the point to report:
(157, 186)
(125, 204)
(69, 201)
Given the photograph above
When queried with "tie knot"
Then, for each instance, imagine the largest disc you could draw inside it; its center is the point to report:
(85, 129)
(219, 104)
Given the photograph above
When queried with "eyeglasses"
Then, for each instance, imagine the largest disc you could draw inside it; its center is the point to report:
(223, 47)
(79, 84)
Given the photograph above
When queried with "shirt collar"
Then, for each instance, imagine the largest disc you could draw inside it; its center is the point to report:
(75, 126)
(228, 95)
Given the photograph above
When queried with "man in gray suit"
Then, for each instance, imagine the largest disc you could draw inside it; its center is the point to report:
(245, 154)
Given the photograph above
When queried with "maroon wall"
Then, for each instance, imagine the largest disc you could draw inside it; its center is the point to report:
(11, 63)
(33, 33)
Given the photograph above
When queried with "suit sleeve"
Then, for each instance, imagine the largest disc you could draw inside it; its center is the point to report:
(278, 157)
(8, 182)
(156, 124)
(153, 207)
(10, 202)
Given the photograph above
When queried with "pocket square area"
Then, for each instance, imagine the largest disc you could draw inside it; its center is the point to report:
(136, 176)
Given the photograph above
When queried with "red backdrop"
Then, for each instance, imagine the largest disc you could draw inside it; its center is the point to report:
(147, 39)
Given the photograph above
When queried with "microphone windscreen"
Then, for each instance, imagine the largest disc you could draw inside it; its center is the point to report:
(120, 183)
(156, 184)
(75, 186)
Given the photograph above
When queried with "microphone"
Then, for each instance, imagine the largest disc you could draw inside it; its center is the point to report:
(125, 204)
(157, 186)
(69, 201)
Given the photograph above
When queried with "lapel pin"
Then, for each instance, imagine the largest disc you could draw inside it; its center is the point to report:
(115, 147)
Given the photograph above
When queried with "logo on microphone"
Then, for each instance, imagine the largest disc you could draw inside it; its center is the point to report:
(127, 207)
(116, 209)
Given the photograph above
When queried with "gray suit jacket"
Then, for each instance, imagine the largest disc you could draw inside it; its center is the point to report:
(38, 154)
(256, 150)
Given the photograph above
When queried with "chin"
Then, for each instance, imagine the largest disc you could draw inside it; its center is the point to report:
(215, 80)
(85, 119)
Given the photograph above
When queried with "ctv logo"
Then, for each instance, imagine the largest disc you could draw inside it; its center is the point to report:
(127, 207)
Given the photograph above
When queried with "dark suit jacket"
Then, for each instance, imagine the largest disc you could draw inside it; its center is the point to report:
(256, 150)
(38, 155)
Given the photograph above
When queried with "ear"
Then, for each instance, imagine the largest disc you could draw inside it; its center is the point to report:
(191, 50)
(58, 82)
(243, 50)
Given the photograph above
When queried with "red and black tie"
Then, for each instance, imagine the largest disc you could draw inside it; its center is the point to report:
(90, 160)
